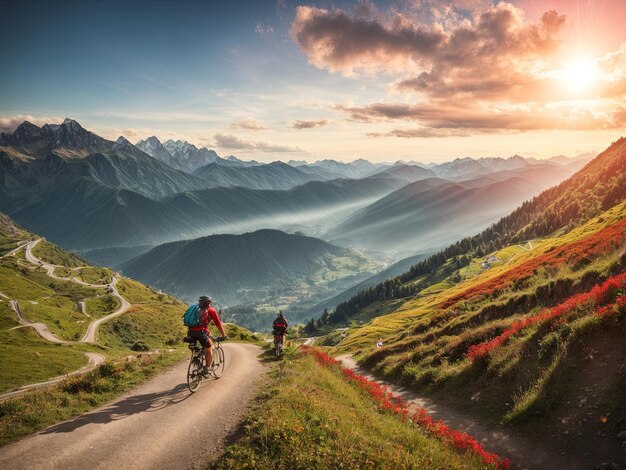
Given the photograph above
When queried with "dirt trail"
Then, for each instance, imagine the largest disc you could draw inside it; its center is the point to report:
(522, 453)
(160, 424)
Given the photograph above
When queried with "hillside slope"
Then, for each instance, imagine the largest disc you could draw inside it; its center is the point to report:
(234, 268)
(600, 184)
(530, 333)
(49, 310)
(433, 212)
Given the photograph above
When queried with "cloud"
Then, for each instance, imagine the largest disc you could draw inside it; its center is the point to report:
(231, 142)
(422, 132)
(10, 123)
(339, 42)
(308, 124)
(466, 66)
(263, 29)
(248, 125)
(480, 120)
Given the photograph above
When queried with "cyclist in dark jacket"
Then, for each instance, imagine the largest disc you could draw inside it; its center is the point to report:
(280, 327)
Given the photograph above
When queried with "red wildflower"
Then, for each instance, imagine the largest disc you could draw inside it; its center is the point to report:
(387, 401)
(597, 297)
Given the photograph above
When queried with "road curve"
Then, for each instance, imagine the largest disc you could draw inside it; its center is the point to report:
(90, 335)
(160, 424)
(92, 330)
(41, 328)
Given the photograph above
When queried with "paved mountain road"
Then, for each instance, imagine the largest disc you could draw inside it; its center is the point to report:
(160, 424)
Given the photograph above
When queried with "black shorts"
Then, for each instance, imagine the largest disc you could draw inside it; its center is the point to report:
(280, 331)
(201, 336)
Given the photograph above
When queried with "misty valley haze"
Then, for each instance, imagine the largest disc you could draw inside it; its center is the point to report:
(119, 195)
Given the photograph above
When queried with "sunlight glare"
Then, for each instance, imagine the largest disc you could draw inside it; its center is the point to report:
(580, 74)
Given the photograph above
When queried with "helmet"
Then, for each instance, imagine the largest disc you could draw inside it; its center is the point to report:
(280, 314)
(205, 299)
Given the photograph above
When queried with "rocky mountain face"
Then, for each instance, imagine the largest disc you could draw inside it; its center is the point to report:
(68, 138)
(178, 154)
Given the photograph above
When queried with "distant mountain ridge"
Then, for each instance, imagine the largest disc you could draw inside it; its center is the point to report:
(432, 212)
(178, 154)
(275, 175)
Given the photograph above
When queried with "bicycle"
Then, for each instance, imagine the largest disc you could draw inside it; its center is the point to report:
(278, 346)
(195, 370)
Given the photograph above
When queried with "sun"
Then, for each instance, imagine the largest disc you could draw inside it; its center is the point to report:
(580, 74)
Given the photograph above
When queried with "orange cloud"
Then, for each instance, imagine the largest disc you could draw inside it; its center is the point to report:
(478, 120)
(309, 124)
(339, 42)
(10, 123)
(231, 142)
(248, 125)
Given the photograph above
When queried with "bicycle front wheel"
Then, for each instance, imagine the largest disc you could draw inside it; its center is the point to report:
(194, 373)
(218, 362)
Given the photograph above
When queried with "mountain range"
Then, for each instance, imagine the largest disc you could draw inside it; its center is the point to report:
(86, 192)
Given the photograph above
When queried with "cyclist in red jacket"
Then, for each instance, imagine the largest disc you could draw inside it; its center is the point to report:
(280, 328)
(201, 333)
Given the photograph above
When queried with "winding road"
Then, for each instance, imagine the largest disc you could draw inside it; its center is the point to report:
(42, 329)
(160, 424)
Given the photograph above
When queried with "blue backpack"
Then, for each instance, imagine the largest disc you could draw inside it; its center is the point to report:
(192, 316)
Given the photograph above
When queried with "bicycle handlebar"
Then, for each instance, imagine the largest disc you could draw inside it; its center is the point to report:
(219, 339)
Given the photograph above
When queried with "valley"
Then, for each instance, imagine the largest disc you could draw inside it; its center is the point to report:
(296, 235)
(119, 194)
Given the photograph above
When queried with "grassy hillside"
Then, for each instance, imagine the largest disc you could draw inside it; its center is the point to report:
(28, 358)
(265, 268)
(67, 308)
(313, 415)
(536, 336)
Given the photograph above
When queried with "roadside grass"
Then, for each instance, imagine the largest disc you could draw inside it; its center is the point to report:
(7, 245)
(39, 409)
(60, 313)
(28, 358)
(17, 284)
(92, 275)
(145, 327)
(238, 333)
(52, 254)
(309, 416)
(65, 272)
(137, 293)
(101, 305)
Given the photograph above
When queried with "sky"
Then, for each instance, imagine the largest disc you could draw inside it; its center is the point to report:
(422, 80)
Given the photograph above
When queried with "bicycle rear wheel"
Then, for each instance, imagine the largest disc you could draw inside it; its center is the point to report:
(218, 362)
(194, 373)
